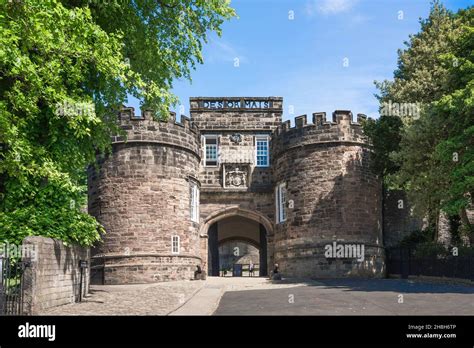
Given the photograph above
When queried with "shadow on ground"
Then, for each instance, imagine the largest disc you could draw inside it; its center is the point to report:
(351, 297)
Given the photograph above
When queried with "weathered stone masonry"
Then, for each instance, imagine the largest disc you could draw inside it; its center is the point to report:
(325, 166)
(141, 191)
(141, 196)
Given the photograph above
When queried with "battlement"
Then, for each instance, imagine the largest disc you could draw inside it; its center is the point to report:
(339, 117)
(144, 128)
(128, 114)
(340, 129)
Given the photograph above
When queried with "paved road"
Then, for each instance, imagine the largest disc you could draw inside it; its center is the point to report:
(352, 297)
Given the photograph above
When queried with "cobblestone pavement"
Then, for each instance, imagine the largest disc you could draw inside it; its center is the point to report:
(139, 299)
(349, 297)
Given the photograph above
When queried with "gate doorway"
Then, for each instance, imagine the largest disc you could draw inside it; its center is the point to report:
(235, 244)
(11, 286)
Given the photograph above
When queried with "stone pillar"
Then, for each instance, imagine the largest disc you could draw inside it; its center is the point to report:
(213, 251)
(263, 251)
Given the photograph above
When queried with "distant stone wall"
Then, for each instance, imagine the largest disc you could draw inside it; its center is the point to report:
(398, 221)
(53, 277)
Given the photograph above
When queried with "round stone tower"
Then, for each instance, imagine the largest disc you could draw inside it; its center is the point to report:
(331, 225)
(144, 194)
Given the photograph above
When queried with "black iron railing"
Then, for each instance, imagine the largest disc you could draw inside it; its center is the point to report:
(406, 262)
(12, 273)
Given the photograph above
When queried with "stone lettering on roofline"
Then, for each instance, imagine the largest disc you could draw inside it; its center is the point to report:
(237, 104)
(233, 103)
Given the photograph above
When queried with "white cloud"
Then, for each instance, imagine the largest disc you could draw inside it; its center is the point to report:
(219, 50)
(329, 7)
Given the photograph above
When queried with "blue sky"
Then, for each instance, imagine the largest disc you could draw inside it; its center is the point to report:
(302, 59)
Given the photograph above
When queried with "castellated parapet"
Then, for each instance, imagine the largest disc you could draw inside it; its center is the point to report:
(333, 197)
(242, 154)
(141, 194)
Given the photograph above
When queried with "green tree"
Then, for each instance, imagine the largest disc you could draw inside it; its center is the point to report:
(433, 72)
(454, 113)
(65, 69)
(421, 75)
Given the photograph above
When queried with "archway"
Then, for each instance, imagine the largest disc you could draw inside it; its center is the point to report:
(238, 226)
(237, 254)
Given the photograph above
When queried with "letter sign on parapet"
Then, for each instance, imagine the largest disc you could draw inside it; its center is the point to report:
(236, 104)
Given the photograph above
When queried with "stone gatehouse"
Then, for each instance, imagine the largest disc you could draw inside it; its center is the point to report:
(171, 193)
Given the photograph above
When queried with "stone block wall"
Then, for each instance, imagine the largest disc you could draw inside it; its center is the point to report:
(243, 154)
(141, 195)
(236, 113)
(325, 167)
(248, 117)
(399, 221)
(53, 277)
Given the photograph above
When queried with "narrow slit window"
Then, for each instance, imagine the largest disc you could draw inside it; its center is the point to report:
(280, 199)
(262, 151)
(175, 245)
(194, 201)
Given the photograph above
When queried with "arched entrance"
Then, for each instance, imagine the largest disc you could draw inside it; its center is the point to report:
(237, 236)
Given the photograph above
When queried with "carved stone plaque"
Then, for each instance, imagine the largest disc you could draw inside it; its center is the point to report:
(236, 138)
(235, 176)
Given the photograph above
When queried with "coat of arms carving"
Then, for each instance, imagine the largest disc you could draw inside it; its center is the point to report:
(236, 138)
(235, 176)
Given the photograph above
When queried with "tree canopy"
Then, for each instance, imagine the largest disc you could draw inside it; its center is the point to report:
(65, 69)
(431, 156)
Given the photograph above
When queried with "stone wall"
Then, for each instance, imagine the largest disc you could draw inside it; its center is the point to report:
(399, 221)
(241, 118)
(53, 277)
(248, 123)
(141, 195)
(325, 166)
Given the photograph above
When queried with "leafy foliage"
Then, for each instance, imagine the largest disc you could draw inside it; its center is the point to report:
(431, 157)
(65, 68)
(385, 134)
(417, 237)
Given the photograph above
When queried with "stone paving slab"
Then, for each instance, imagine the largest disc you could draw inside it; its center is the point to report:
(352, 297)
(136, 299)
(204, 302)
(207, 299)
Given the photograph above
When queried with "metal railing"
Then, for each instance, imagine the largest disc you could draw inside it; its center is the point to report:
(406, 262)
(237, 270)
(11, 286)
